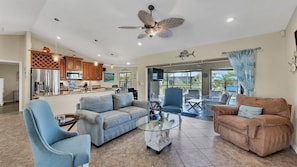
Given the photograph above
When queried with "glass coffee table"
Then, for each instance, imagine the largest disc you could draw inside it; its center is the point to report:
(157, 129)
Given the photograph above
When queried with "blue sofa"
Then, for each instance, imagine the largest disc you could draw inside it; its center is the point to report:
(107, 117)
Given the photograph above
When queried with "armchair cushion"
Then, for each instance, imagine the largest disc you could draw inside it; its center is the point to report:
(238, 124)
(249, 111)
(80, 151)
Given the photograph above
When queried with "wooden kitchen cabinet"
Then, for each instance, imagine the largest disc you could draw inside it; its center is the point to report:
(86, 70)
(91, 72)
(62, 69)
(73, 63)
(98, 72)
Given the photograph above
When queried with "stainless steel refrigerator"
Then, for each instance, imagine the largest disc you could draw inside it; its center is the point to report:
(45, 82)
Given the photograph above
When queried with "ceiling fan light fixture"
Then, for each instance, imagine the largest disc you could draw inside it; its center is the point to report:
(152, 27)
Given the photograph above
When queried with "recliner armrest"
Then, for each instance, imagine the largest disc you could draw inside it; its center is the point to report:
(90, 116)
(267, 121)
(224, 110)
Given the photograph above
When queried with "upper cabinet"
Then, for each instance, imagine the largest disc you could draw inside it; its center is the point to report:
(43, 60)
(73, 63)
(91, 72)
(62, 69)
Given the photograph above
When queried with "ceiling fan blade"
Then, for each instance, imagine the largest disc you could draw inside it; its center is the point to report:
(140, 36)
(165, 33)
(170, 23)
(145, 17)
(132, 27)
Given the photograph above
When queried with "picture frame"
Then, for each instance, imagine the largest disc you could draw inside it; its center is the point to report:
(108, 77)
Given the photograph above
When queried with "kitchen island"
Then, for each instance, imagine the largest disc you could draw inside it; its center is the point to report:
(65, 103)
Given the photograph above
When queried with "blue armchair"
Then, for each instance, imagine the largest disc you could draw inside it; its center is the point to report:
(173, 101)
(51, 145)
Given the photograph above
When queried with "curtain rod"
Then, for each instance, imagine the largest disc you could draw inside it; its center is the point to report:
(258, 48)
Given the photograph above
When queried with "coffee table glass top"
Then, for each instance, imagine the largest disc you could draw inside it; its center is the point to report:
(161, 123)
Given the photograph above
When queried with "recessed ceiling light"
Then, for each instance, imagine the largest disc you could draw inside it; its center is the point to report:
(58, 37)
(99, 55)
(230, 19)
(139, 43)
(128, 63)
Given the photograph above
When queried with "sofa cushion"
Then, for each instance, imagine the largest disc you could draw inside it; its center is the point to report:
(122, 100)
(275, 106)
(135, 112)
(114, 118)
(234, 122)
(97, 104)
(249, 111)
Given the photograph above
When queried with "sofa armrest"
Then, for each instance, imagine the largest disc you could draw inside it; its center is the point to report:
(267, 121)
(142, 104)
(90, 116)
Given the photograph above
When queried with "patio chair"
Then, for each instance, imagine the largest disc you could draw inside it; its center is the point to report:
(224, 100)
(192, 94)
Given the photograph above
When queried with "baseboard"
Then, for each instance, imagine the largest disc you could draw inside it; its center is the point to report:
(294, 147)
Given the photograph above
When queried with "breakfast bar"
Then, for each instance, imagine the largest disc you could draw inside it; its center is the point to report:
(66, 103)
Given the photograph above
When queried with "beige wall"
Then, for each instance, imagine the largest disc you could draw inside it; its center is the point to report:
(291, 82)
(13, 50)
(271, 68)
(116, 71)
(11, 82)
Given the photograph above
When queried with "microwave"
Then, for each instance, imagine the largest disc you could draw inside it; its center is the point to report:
(73, 75)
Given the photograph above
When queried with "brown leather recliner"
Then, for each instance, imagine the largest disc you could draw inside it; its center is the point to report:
(263, 134)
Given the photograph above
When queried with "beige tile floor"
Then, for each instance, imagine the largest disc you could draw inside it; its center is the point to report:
(194, 145)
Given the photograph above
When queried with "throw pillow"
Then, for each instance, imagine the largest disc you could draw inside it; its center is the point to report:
(249, 111)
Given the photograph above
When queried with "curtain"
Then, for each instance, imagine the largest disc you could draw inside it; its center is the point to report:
(244, 64)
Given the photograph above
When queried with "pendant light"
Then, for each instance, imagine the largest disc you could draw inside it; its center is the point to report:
(56, 56)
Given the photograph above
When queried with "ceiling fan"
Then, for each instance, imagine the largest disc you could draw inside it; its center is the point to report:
(152, 27)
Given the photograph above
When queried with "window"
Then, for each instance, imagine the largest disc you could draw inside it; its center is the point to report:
(224, 80)
(125, 81)
(185, 80)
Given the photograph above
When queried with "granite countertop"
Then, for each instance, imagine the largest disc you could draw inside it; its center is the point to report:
(75, 91)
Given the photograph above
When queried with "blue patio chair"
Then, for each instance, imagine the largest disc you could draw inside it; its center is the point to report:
(173, 101)
(51, 145)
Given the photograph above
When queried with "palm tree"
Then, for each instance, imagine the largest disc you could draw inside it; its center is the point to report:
(224, 80)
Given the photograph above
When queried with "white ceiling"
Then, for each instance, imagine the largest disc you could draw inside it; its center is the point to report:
(83, 21)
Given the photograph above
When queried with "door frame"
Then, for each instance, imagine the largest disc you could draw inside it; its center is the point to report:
(19, 63)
